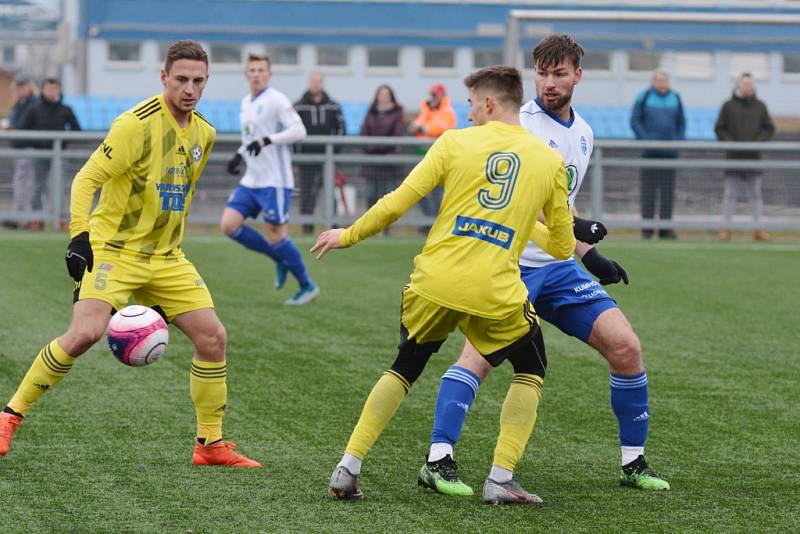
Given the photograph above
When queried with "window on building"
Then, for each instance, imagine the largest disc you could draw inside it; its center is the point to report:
(124, 52)
(7, 55)
(283, 55)
(485, 58)
(162, 51)
(527, 60)
(439, 58)
(226, 53)
(696, 65)
(332, 56)
(791, 63)
(756, 64)
(383, 57)
(597, 61)
(641, 62)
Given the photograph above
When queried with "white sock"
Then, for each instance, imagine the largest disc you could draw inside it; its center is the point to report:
(351, 463)
(439, 451)
(629, 454)
(500, 474)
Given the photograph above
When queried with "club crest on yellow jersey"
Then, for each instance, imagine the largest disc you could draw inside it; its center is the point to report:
(197, 153)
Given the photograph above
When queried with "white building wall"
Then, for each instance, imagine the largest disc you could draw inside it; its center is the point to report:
(357, 82)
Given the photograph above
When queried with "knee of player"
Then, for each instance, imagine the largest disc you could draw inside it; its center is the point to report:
(213, 341)
(475, 363)
(79, 339)
(412, 358)
(227, 228)
(275, 233)
(626, 351)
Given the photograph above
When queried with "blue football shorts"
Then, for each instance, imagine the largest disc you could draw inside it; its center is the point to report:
(565, 296)
(274, 202)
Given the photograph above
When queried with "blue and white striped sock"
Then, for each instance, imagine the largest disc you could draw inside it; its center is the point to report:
(629, 400)
(456, 392)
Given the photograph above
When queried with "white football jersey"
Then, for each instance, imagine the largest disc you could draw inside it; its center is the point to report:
(574, 141)
(264, 115)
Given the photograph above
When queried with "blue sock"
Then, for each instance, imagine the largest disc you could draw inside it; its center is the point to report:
(630, 405)
(456, 392)
(253, 240)
(286, 252)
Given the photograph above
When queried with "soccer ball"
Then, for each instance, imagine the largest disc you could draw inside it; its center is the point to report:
(137, 335)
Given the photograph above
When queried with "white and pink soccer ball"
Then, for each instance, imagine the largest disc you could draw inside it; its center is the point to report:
(137, 335)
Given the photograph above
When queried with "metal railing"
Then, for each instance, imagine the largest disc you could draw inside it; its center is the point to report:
(610, 192)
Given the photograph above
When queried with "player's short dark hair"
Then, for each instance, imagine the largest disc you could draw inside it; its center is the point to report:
(554, 48)
(51, 81)
(504, 81)
(185, 49)
(259, 57)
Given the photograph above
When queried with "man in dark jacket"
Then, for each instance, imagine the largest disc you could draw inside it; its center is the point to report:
(321, 116)
(24, 177)
(658, 115)
(743, 118)
(48, 114)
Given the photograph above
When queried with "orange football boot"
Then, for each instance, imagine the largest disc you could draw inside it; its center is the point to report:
(8, 425)
(221, 453)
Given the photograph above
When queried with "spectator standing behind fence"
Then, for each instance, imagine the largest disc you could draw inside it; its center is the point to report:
(743, 118)
(321, 116)
(384, 118)
(658, 115)
(49, 114)
(24, 177)
(435, 116)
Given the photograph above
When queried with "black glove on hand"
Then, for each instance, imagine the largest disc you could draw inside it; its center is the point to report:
(588, 231)
(606, 270)
(79, 256)
(233, 164)
(254, 148)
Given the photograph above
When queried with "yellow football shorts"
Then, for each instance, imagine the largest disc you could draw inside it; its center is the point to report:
(173, 285)
(427, 321)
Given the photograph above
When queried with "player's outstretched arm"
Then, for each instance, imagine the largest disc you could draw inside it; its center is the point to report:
(327, 240)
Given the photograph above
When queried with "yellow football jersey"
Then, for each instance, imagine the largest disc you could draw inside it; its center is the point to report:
(148, 168)
(497, 178)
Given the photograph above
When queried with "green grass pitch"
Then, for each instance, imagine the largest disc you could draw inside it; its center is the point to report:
(109, 449)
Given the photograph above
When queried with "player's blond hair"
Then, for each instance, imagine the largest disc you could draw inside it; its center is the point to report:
(259, 57)
(503, 81)
(185, 49)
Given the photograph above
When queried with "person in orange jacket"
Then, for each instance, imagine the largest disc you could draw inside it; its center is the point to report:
(436, 115)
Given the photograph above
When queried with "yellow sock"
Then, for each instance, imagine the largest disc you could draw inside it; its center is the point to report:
(50, 366)
(381, 405)
(517, 419)
(207, 383)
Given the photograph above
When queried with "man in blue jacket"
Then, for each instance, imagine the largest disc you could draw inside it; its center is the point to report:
(658, 115)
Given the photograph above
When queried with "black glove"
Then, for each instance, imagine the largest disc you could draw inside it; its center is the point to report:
(254, 148)
(233, 164)
(588, 231)
(79, 256)
(607, 270)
